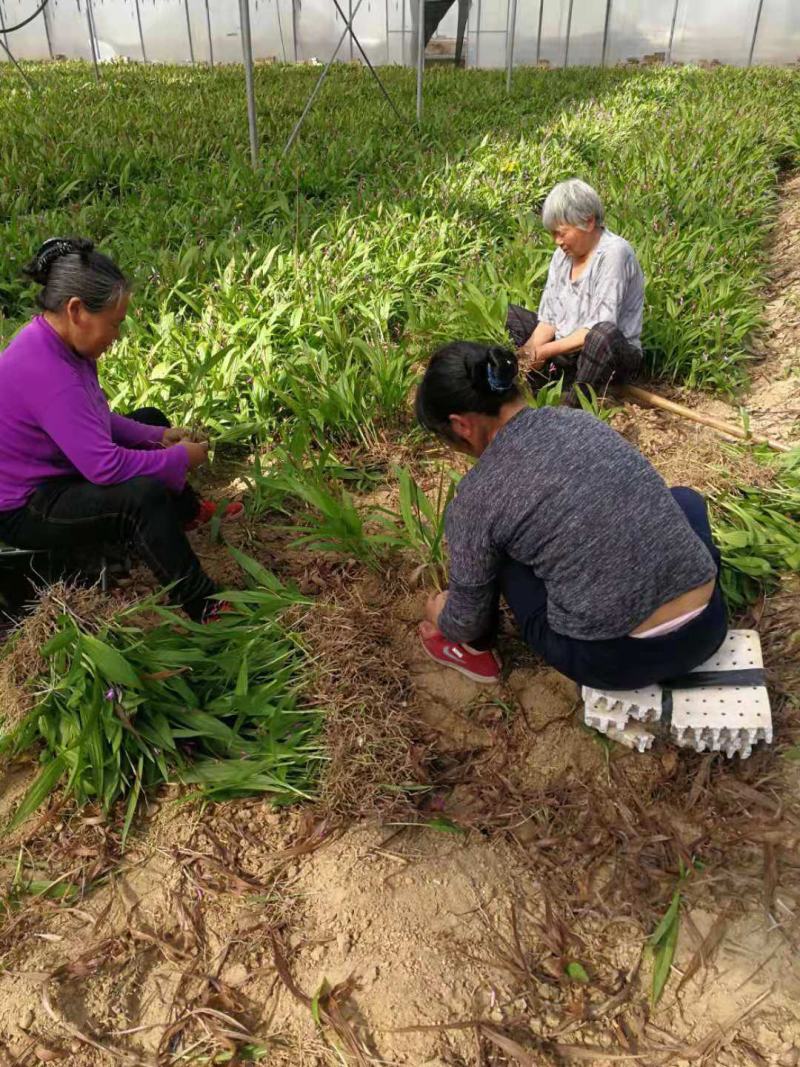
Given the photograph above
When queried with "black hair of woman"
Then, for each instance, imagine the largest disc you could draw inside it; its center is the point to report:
(462, 377)
(67, 267)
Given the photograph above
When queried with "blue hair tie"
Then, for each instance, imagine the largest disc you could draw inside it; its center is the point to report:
(496, 384)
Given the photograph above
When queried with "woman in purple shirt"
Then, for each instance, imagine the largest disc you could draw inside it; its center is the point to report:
(71, 472)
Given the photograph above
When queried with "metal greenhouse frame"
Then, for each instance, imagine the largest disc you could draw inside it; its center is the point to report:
(418, 37)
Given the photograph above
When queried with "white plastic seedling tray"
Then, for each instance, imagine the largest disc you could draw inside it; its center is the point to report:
(717, 718)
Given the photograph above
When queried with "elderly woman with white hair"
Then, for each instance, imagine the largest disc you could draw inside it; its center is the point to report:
(589, 322)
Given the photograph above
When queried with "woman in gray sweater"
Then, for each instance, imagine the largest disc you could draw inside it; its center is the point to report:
(611, 576)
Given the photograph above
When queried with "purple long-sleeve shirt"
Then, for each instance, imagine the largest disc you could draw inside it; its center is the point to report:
(55, 422)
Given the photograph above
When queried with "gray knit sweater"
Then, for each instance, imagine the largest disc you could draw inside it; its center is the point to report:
(565, 494)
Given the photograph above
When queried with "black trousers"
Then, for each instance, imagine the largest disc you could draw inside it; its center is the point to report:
(73, 514)
(607, 357)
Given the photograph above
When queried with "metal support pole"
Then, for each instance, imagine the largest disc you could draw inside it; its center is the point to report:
(461, 29)
(403, 31)
(755, 33)
(48, 30)
(3, 26)
(317, 87)
(388, 52)
(539, 34)
(141, 32)
(20, 71)
(189, 31)
(478, 34)
(280, 29)
(92, 40)
(210, 37)
(420, 55)
(672, 31)
(349, 20)
(294, 28)
(606, 26)
(366, 59)
(247, 53)
(510, 35)
(569, 29)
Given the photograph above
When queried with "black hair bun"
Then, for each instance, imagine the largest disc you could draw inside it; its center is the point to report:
(54, 248)
(501, 369)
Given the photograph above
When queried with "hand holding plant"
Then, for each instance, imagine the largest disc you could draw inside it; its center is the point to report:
(434, 606)
(529, 358)
(176, 435)
(197, 452)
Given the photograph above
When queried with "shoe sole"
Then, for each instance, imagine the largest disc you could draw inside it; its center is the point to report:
(480, 678)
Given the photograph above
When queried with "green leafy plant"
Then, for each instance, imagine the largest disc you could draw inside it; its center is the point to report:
(758, 530)
(664, 939)
(216, 705)
(254, 304)
(304, 482)
(551, 393)
(662, 942)
(420, 530)
(577, 972)
(548, 395)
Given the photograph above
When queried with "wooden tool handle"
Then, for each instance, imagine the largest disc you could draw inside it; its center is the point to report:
(729, 428)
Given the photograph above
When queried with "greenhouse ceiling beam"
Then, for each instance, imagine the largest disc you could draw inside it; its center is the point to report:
(324, 74)
(247, 53)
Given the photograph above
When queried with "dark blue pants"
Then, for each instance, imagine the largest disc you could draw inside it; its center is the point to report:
(622, 662)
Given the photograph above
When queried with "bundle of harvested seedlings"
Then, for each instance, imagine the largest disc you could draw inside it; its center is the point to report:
(218, 705)
(22, 661)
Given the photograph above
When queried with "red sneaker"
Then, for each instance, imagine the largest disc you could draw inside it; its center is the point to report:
(207, 511)
(214, 610)
(479, 666)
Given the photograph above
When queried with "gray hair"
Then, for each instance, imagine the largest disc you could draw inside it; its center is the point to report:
(573, 203)
(69, 266)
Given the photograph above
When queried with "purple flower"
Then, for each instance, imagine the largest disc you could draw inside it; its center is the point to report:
(114, 694)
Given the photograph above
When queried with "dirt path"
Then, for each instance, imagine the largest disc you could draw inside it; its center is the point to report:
(330, 940)
(773, 400)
